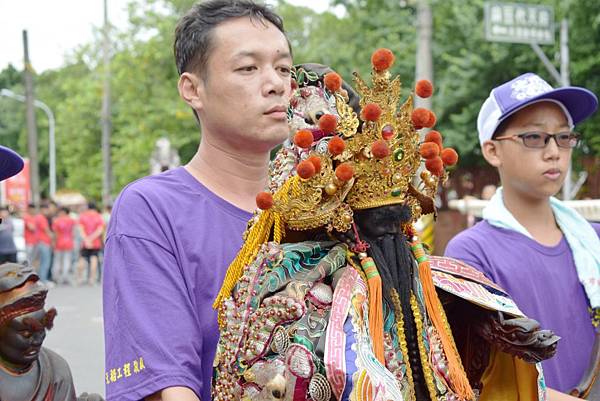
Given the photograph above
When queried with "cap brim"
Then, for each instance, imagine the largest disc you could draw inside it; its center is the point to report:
(10, 163)
(579, 102)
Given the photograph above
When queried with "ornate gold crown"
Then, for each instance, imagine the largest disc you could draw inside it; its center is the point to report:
(384, 154)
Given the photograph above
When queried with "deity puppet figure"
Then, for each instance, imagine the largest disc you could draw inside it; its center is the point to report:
(333, 296)
(28, 371)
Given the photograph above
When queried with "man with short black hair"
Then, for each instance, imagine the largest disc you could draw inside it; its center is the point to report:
(172, 235)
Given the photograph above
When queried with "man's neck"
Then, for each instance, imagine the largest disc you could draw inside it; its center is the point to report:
(535, 215)
(234, 176)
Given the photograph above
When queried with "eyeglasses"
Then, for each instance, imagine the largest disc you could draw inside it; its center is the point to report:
(540, 139)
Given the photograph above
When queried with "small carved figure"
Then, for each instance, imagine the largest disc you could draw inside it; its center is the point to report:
(29, 372)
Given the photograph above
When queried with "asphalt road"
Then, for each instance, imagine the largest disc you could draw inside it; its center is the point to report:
(78, 334)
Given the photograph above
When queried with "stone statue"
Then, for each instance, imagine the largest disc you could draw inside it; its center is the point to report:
(164, 157)
(29, 372)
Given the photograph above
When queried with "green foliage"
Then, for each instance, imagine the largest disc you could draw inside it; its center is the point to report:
(146, 105)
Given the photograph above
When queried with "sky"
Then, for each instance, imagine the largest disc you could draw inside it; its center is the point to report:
(56, 27)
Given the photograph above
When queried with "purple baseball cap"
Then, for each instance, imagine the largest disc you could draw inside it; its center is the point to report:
(10, 163)
(510, 97)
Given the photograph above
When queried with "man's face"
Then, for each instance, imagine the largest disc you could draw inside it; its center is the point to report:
(532, 172)
(245, 88)
(20, 343)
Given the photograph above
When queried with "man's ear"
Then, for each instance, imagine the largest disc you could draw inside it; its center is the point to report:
(191, 89)
(492, 153)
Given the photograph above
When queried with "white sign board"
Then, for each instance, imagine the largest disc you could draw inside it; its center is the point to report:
(519, 23)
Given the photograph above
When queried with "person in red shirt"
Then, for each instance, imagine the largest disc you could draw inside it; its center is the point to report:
(44, 242)
(91, 226)
(30, 233)
(63, 225)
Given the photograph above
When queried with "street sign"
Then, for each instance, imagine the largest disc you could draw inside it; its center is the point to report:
(519, 23)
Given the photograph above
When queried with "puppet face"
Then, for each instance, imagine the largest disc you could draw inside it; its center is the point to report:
(21, 341)
(308, 104)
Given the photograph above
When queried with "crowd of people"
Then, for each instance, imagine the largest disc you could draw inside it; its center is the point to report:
(63, 244)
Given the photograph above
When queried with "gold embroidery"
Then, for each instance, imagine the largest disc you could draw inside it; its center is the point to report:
(424, 359)
(402, 342)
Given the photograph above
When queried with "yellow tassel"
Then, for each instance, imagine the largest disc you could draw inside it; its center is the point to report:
(258, 234)
(375, 307)
(435, 311)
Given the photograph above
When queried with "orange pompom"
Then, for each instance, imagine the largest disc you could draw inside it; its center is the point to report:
(435, 166)
(371, 112)
(327, 123)
(336, 146)
(306, 169)
(449, 156)
(304, 138)
(332, 81)
(432, 119)
(380, 149)
(382, 59)
(316, 162)
(264, 200)
(435, 137)
(344, 172)
(420, 117)
(429, 150)
(424, 88)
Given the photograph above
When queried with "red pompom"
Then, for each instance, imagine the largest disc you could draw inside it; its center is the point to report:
(424, 88)
(382, 59)
(344, 172)
(316, 162)
(432, 119)
(264, 200)
(294, 85)
(429, 150)
(371, 112)
(332, 81)
(305, 169)
(380, 149)
(327, 123)
(435, 137)
(420, 117)
(435, 166)
(304, 138)
(449, 156)
(336, 146)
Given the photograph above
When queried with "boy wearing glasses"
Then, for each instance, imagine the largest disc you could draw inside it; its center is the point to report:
(539, 250)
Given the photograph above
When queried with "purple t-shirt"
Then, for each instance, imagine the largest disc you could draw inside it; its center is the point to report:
(543, 282)
(169, 243)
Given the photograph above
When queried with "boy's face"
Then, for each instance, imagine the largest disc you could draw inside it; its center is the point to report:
(243, 94)
(535, 173)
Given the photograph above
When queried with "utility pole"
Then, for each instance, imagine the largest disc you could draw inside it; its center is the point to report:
(106, 115)
(424, 65)
(32, 139)
(565, 81)
(424, 70)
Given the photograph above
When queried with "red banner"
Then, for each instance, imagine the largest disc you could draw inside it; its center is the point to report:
(17, 190)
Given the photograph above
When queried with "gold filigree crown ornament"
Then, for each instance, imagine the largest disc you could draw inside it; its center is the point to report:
(388, 152)
(340, 165)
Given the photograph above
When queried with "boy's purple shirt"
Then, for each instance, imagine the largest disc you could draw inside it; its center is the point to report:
(543, 282)
(169, 244)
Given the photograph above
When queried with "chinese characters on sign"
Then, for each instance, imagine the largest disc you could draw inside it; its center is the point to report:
(519, 23)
